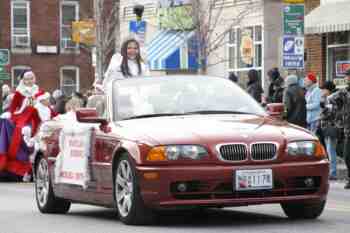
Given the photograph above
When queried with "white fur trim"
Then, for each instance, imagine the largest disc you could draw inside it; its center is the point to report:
(43, 96)
(44, 111)
(28, 92)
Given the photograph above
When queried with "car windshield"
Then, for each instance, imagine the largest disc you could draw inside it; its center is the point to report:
(179, 95)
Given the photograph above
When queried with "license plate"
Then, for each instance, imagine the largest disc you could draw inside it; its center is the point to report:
(253, 179)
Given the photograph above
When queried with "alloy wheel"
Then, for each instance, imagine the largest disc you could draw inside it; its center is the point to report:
(42, 182)
(124, 188)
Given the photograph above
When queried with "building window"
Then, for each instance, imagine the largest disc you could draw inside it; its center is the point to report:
(69, 79)
(16, 72)
(20, 24)
(245, 51)
(338, 57)
(69, 12)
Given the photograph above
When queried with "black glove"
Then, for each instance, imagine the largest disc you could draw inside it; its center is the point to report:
(322, 104)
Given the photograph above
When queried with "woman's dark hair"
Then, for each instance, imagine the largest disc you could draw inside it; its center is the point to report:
(253, 76)
(274, 73)
(124, 51)
(329, 85)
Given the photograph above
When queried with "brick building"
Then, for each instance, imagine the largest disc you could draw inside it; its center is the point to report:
(38, 36)
(327, 28)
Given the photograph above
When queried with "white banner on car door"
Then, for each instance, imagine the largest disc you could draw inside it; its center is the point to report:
(72, 163)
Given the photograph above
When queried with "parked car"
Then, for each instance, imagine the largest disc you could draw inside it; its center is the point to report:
(179, 141)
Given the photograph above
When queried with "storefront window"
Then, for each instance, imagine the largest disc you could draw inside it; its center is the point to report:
(338, 64)
(245, 48)
(337, 38)
(338, 56)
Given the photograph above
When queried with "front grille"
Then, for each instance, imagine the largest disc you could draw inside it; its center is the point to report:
(263, 151)
(233, 152)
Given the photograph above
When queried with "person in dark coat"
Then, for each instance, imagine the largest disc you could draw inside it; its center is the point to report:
(328, 127)
(294, 102)
(233, 77)
(275, 91)
(253, 86)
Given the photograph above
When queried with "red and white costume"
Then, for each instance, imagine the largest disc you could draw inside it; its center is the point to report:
(45, 112)
(23, 114)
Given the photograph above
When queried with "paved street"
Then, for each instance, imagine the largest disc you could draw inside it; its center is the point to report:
(18, 214)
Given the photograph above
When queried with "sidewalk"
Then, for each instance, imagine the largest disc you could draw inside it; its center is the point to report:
(342, 171)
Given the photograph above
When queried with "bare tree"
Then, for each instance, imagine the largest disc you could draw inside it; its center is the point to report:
(107, 32)
(212, 25)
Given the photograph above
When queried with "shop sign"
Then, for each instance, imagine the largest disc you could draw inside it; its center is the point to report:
(341, 67)
(247, 47)
(4, 57)
(84, 32)
(293, 19)
(293, 52)
(138, 30)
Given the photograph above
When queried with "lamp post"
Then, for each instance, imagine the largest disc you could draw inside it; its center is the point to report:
(138, 11)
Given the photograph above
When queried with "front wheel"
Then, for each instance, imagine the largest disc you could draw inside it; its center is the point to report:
(303, 210)
(127, 195)
(46, 200)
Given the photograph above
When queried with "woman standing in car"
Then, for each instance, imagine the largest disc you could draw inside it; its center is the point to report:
(128, 64)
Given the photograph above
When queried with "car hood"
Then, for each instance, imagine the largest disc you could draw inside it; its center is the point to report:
(209, 129)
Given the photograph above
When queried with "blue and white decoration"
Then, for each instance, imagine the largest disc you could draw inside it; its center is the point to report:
(173, 50)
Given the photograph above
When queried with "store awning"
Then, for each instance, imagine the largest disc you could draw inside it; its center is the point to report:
(330, 17)
(172, 50)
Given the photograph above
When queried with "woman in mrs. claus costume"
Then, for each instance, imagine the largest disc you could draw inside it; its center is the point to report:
(21, 114)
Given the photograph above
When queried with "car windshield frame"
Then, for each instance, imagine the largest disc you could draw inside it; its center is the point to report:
(129, 91)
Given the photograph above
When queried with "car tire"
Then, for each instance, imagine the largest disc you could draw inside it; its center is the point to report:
(46, 200)
(127, 195)
(303, 210)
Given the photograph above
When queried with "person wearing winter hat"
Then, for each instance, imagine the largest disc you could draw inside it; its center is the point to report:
(294, 102)
(43, 107)
(328, 127)
(313, 100)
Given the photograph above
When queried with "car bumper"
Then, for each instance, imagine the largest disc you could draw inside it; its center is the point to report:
(214, 185)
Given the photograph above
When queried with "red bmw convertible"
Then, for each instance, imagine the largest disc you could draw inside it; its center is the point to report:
(178, 141)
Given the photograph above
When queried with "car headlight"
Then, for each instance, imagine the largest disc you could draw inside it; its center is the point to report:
(175, 152)
(306, 148)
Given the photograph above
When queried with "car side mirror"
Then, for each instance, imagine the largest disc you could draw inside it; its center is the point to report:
(90, 115)
(275, 110)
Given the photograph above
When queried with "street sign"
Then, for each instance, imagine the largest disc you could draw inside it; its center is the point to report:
(4, 77)
(293, 52)
(293, 19)
(3, 74)
(4, 57)
(294, 1)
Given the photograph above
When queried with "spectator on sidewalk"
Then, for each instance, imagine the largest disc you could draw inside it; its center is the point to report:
(328, 127)
(253, 86)
(313, 99)
(59, 101)
(294, 102)
(341, 99)
(275, 91)
(7, 96)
